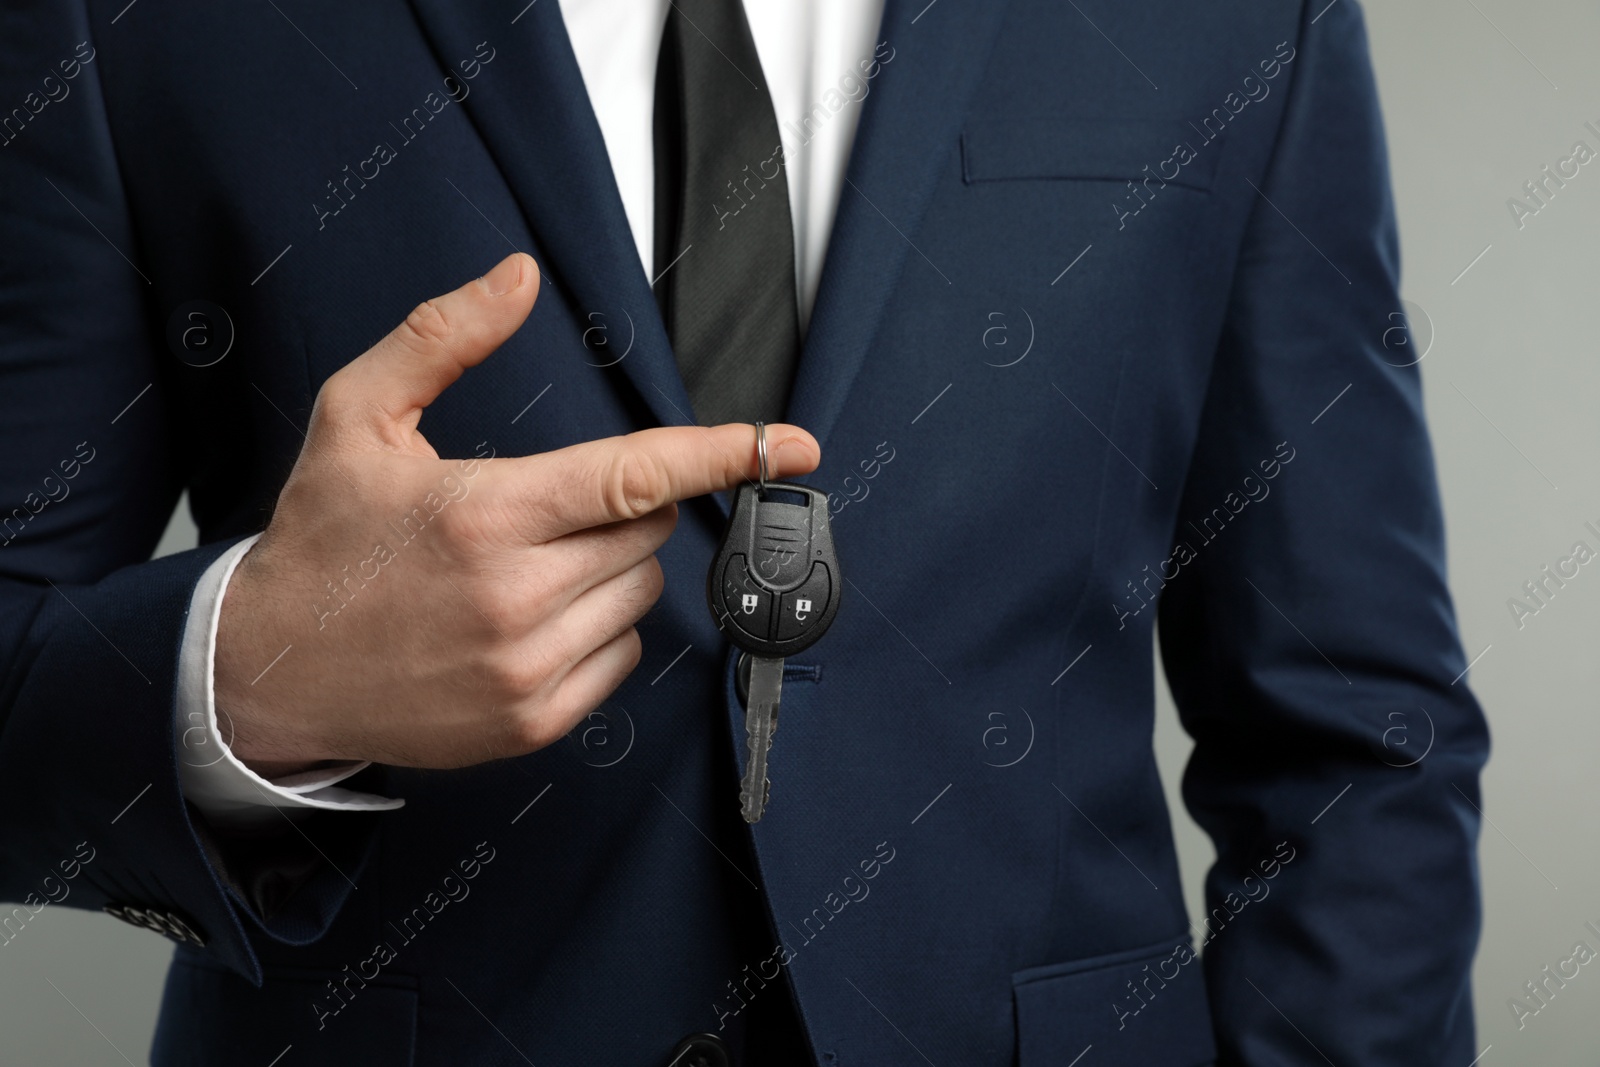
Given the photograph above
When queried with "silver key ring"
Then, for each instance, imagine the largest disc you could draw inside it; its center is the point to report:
(761, 453)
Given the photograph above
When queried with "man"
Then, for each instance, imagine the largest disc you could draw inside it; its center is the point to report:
(1097, 339)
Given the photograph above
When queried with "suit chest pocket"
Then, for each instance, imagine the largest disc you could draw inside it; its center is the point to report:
(1151, 153)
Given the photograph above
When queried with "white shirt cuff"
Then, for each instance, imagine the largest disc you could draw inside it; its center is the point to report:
(214, 780)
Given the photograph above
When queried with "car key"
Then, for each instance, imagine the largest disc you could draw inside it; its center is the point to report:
(773, 589)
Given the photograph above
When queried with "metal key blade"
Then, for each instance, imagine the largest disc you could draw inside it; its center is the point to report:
(760, 723)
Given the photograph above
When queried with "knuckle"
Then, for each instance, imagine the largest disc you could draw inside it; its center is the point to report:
(514, 604)
(633, 645)
(335, 400)
(517, 674)
(504, 678)
(470, 530)
(561, 715)
(483, 531)
(635, 484)
(533, 730)
(552, 584)
(635, 591)
(500, 609)
(646, 583)
(457, 526)
(623, 653)
(427, 327)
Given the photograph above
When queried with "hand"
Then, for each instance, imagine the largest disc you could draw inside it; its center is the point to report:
(446, 612)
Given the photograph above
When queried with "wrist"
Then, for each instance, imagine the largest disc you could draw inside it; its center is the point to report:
(243, 684)
(272, 770)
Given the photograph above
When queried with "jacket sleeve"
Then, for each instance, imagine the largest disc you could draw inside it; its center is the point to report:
(91, 812)
(1312, 647)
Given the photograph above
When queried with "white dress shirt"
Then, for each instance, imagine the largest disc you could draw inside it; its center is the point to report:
(818, 57)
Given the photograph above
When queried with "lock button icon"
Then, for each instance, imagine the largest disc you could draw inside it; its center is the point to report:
(800, 608)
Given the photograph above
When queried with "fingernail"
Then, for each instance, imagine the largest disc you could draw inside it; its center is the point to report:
(791, 439)
(505, 277)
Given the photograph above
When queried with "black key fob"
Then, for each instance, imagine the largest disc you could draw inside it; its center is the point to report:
(774, 584)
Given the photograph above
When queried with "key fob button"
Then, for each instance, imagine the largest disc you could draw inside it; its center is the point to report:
(745, 603)
(800, 609)
(773, 586)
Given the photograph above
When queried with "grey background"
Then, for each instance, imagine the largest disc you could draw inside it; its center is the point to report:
(1478, 96)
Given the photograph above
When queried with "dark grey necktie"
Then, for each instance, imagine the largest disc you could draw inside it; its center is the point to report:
(724, 244)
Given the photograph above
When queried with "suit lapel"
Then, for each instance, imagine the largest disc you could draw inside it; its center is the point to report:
(909, 125)
(532, 110)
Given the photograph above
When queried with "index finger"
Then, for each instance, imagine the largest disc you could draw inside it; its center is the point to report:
(620, 478)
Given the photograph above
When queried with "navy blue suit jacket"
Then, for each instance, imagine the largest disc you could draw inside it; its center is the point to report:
(1105, 337)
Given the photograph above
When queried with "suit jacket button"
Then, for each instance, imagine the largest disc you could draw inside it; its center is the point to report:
(169, 924)
(700, 1050)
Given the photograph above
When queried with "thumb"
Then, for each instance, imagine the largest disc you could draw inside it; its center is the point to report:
(387, 386)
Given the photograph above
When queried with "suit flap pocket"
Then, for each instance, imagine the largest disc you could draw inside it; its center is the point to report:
(1116, 150)
(1142, 1008)
(211, 1016)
